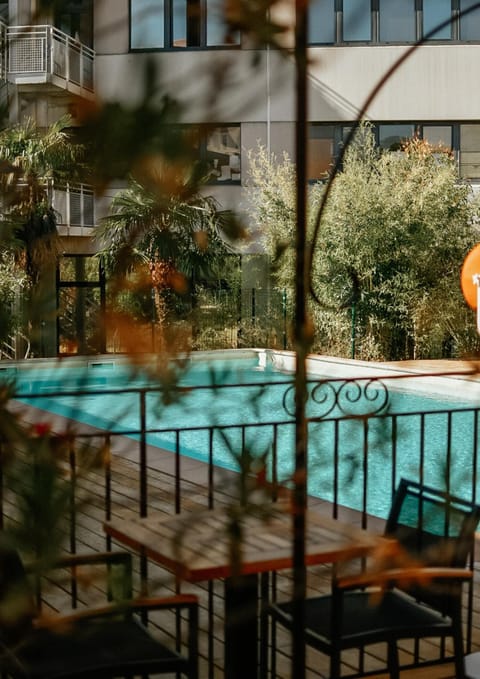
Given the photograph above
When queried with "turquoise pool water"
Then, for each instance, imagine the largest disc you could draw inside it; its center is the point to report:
(435, 441)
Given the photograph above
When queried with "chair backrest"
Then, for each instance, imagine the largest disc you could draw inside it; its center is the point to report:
(433, 526)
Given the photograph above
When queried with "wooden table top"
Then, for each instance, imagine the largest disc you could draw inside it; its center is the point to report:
(200, 546)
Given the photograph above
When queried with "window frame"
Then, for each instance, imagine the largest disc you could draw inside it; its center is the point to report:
(418, 19)
(197, 136)
(205, 135)
(340, 129)
(168, 32)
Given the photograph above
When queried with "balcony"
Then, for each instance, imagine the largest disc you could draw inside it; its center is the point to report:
(43, 55)
(75, 206)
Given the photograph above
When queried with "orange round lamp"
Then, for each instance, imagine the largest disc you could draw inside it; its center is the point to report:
(470, 281)
(468, 277)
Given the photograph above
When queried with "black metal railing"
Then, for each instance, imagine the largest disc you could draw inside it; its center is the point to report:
(363, 436)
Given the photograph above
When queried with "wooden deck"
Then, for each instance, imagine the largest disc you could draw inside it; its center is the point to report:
(90, 536)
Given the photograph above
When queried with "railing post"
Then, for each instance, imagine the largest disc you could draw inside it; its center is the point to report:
(143, 454)
(49, 50)
(81, 74)
(67, 59)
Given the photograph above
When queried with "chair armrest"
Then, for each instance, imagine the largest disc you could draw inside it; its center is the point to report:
(108, 559)
(178, 602)
(116, 557)
(95, 558)
(417, 575)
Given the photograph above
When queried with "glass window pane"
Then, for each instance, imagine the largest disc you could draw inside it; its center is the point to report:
(470, 151)
(216, 27)
(397, 20)
(179, 23)
(186, 23)
(436, 12)
(357, 21)
(320, 150)
(223, 153)
(438, 135)
(469, 24)
(321, 21)
(391, 137)
(147, 24)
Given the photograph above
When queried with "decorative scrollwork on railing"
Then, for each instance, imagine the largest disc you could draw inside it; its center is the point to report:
(341, 398)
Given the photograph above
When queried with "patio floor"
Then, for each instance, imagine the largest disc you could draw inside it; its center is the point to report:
(90, 535)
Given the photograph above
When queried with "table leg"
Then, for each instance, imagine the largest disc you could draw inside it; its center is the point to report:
(241, 627)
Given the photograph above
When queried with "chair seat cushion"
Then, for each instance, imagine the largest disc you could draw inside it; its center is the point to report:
(367, 617)
(98, 650)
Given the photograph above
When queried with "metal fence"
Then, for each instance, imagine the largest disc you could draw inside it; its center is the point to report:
(363, 434)
(238, 319)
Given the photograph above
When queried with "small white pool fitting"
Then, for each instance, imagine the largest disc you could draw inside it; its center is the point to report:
(476, 281)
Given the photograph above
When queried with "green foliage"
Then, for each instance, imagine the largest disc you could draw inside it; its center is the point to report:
(31, 160)
(176, 235)
(12, 281)
(395, 231)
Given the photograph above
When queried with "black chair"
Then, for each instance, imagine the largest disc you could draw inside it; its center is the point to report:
(106, 642)
(418, 596)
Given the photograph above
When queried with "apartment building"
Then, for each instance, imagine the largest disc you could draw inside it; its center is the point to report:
(98, 48)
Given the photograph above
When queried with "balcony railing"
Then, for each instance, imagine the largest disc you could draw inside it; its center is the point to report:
(75, 207)
(36, 54)
(3, 51)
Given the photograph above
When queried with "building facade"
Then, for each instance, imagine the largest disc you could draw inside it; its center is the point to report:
(90, 50)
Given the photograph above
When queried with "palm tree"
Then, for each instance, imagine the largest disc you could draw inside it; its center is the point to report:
(31, 160)
(175, 233)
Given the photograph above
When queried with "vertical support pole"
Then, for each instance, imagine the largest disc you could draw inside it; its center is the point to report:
(302, 345)
(354, 314)
(143, 454)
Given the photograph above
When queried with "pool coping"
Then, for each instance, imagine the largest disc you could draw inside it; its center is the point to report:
(451, 380)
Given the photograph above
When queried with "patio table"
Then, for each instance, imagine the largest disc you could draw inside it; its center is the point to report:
(200, 546)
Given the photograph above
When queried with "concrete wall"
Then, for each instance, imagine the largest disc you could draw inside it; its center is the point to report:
(436, 83)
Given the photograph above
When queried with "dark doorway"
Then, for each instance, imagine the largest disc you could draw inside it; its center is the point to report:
(80, 305)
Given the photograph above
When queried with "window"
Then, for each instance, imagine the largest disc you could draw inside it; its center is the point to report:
(221, 152)
(321, 22)
(397, 20)
(75, 18)
(146, 24)
(321, 142)
(436, 12)
(357, 22)
(470, 23)
(158, 24)
(75, 206)
(391, 137)
(470, 151)
(391, 21)
(438, 135)
(463, 140)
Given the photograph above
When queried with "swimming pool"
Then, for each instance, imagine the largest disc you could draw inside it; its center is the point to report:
(411, 431)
